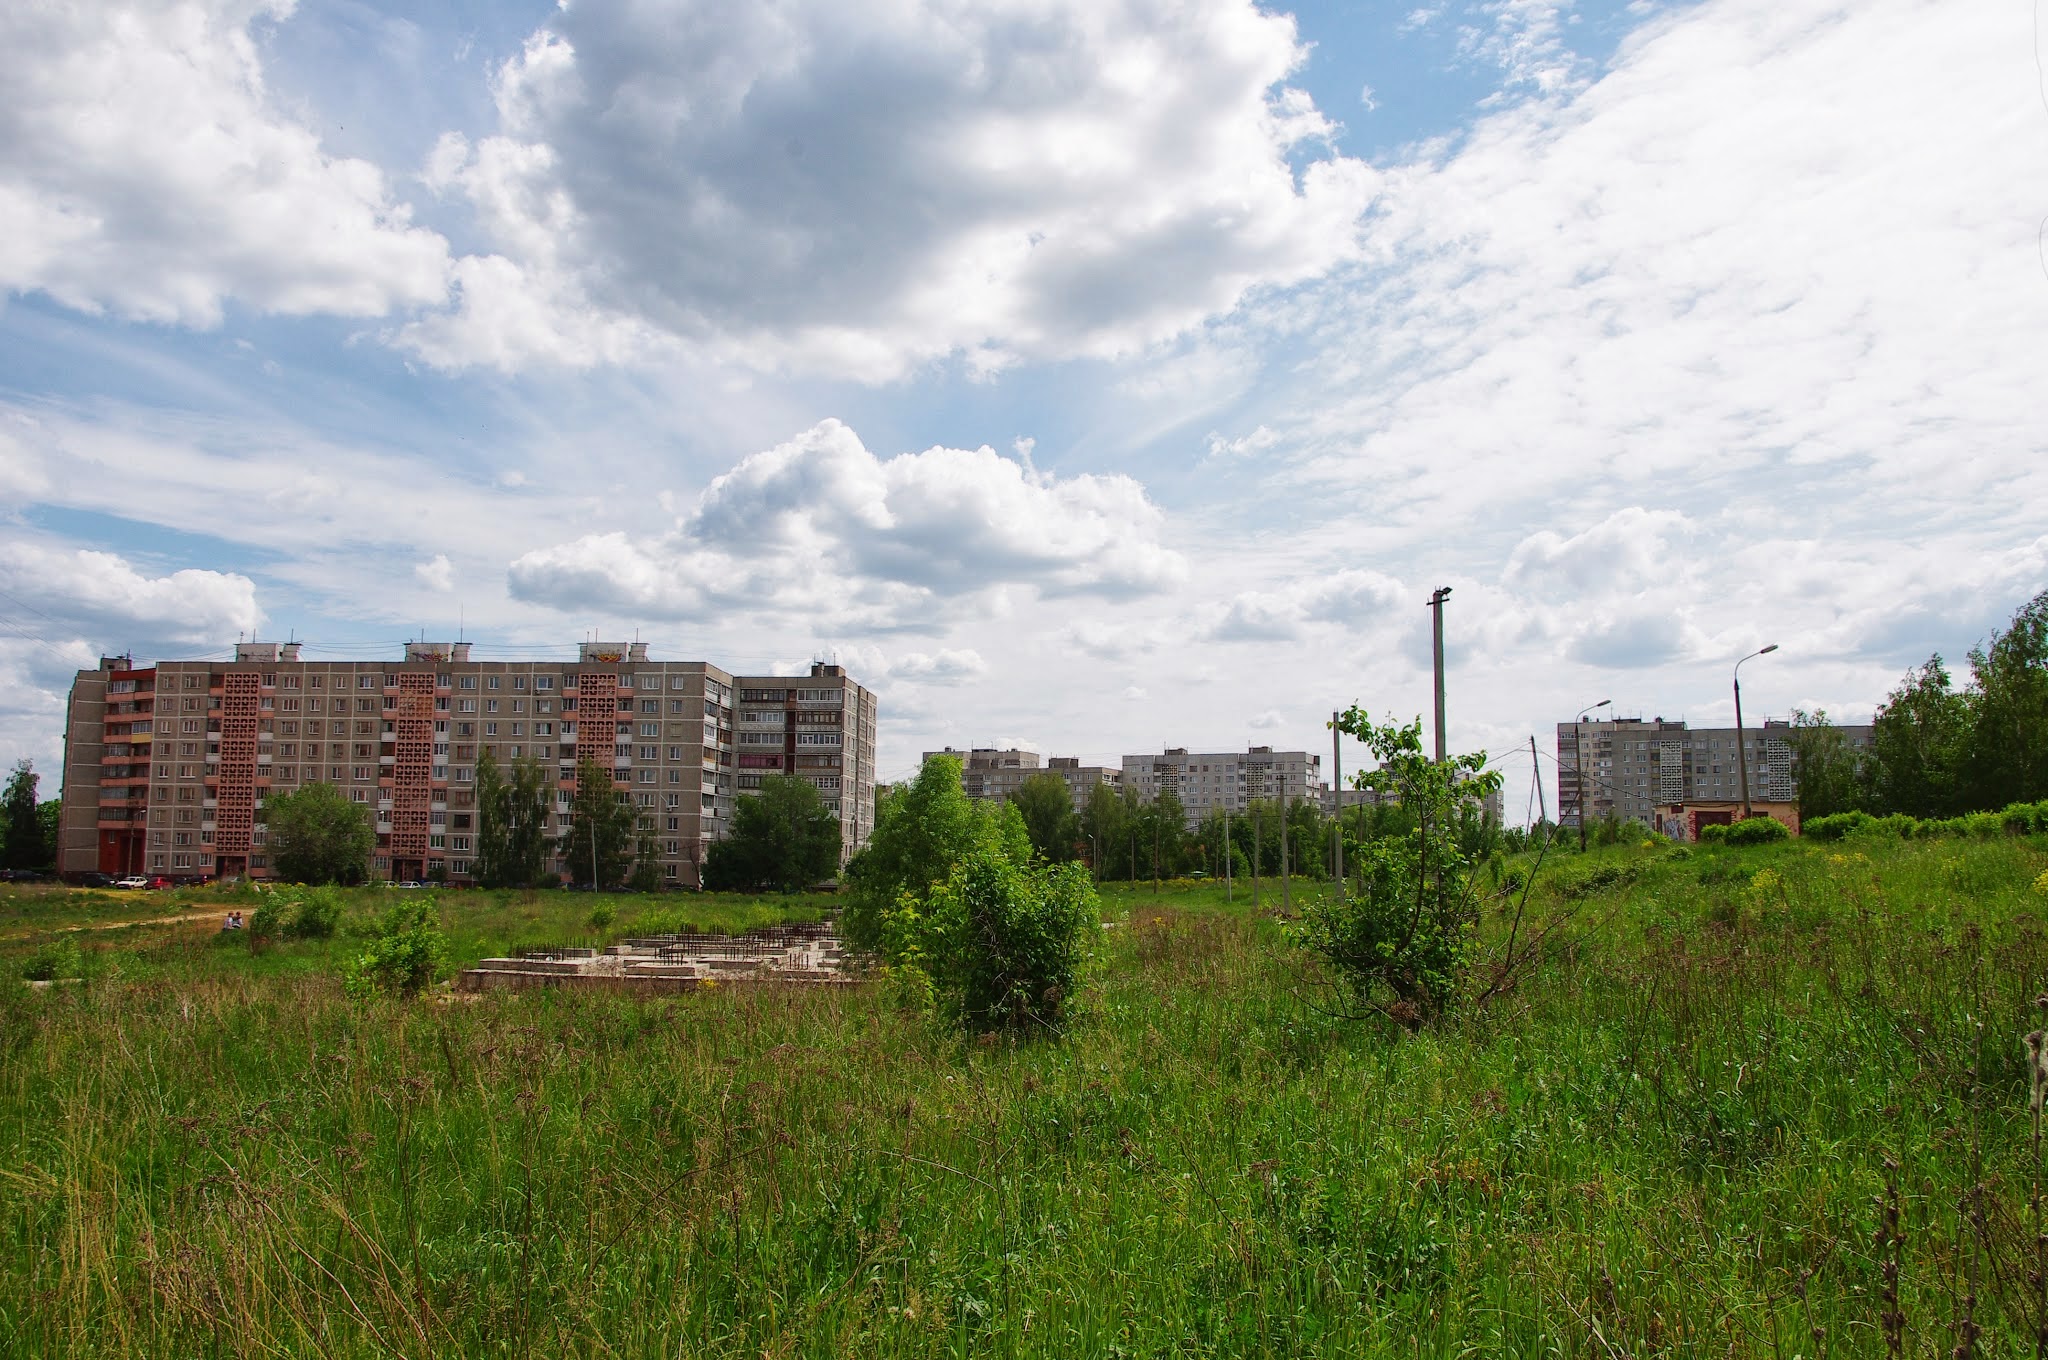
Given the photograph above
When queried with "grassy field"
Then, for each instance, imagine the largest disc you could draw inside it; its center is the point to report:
(1745, 1096)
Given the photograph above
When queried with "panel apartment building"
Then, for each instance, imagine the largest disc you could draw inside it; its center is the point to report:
(993, 775)
(1634, 766)
(166, 767)
(1228, 780)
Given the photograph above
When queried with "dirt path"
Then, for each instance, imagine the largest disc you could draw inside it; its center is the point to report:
(23, 932)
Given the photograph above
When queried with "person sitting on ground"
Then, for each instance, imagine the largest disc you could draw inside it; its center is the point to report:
(234, 921)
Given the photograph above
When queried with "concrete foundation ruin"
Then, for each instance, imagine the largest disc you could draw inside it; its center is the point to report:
(811, 953)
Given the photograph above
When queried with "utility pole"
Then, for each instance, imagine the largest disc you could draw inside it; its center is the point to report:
(1337, 801)
(1579, 766)
(1227, 885)
(1536, 772)
(1741, 750)
(1286, 894)
(1436, 609)
(1258, 849)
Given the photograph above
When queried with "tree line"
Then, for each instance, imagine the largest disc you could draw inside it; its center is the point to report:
(1940, 749)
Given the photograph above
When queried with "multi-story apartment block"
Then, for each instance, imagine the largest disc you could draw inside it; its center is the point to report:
(1227, 780)
(993, 775)
(167, 766)
(1634, 766)
(1083, 779)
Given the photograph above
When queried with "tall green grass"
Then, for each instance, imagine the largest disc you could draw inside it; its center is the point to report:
(1677, 1135)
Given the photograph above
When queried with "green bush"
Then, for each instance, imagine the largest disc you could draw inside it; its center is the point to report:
(1002, 941)
(1403, 937)
(602, 917)
(317, 915)
(61, 958)
(1757, 831)
(407, 951)
(1837, 825)
(1713, 834)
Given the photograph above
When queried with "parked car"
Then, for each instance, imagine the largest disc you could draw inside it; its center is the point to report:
(159, 881)
(95, 879)
(23, 876)
(132, 881)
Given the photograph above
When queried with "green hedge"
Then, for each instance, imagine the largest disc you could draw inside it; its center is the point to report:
(2020, 819)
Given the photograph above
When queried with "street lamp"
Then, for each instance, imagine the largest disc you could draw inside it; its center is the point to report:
(1741, 750)
(1579, 766)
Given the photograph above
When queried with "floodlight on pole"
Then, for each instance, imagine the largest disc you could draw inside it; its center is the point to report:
(1579, 766)
(1741, 748)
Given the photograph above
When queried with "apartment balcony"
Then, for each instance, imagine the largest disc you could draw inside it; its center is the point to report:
(387, 760)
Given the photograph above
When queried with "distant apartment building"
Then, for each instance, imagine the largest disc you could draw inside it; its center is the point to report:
(1635, 767)
(1226, 780)
(994, 775)
(167, 766)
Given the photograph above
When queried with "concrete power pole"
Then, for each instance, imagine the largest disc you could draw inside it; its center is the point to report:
(1337, 801)
(1436, 609)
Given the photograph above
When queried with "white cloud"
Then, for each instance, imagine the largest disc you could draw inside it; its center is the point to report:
(1133, 694)
(1353, 599)
(860, 191)
(1266, 721)
(948, 666)
(1258, 441)
(145, 170)
(104, 596)
(1369, 99)
(436, 573)
(821, 526)
(1629, 550)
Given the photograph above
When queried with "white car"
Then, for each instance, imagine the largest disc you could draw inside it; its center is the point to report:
(132, 881)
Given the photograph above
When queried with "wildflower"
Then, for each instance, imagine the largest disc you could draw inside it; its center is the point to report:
(2041, 883)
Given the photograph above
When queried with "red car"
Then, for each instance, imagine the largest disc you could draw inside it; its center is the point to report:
(159, 882)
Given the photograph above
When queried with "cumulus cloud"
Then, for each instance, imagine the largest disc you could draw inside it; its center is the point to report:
(436, 573)
(146, 171)
(819, 525)
(948, 666)
(860, 191)
(100, 595)
(1353, 599)
(1625, 551)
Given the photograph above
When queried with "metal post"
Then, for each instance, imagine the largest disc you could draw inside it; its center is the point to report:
(1286, 893)
(1227, 884)
(1741, 750)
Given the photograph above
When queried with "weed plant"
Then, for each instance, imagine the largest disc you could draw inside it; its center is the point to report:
(1764, 1101)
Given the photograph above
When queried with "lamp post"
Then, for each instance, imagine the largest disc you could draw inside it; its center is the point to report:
(1579, 766)
(1741, 749)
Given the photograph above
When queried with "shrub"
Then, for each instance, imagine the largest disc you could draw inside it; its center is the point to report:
(267, 922)
(1713, 834)
(1757, 831)
(317, 915)
(407, 951)
(59, 959)
(1837, 825)
(602, 917)
(1002, 941)
(1403, 938)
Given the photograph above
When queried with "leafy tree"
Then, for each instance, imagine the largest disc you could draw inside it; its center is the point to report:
(2007, 760)
(1048, 811)
(1918, 745)
(1831, 774)
(1403, 936)
(512, 842)
(782, 837)
(22, 843)
(1155, 835)
(646, 875)
(50, 812)
(922, 830)
(1107, 826)
(317, 835)
(599, 816)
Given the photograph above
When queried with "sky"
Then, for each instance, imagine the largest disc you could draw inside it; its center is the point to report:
(1096, 376)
